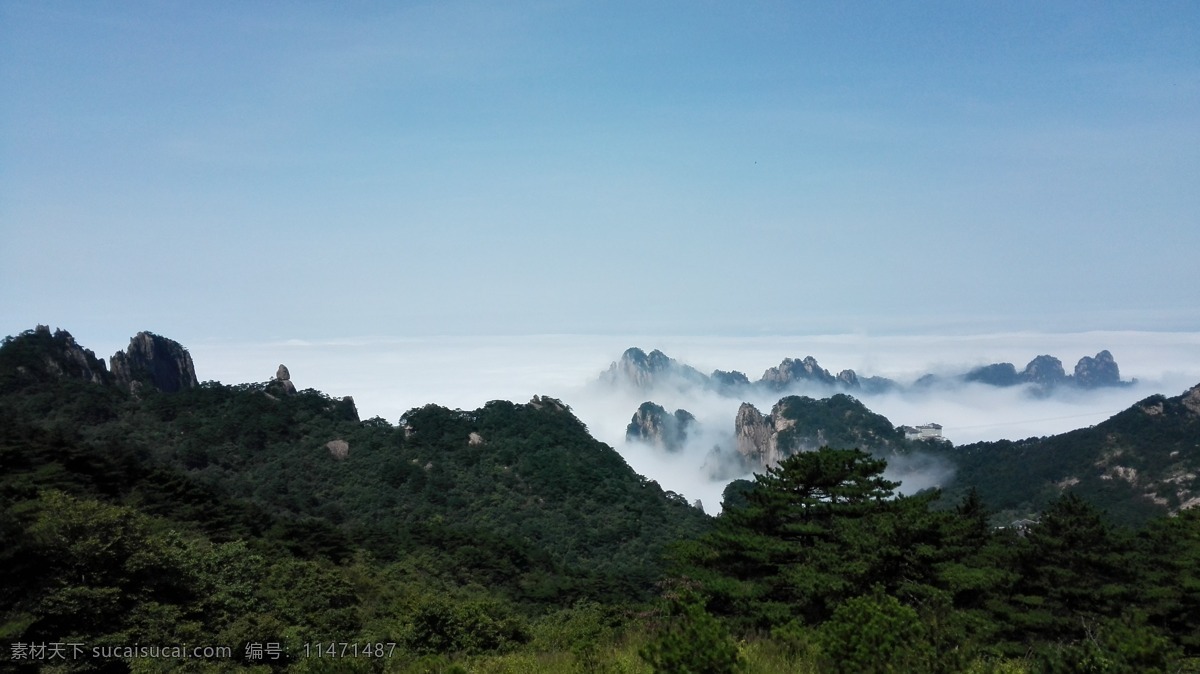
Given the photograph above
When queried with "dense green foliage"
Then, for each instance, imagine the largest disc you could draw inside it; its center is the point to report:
(1133, 463)
(506, 539)
(219, 515)
(688, 639)
(820, 544)
(839, 421)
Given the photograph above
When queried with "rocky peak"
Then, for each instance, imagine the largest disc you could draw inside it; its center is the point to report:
(1044, 370)
(40, 353)
(791, 371)
(1191, 399)
(729, 382)
(155, 360)
(848, 379)
(644, 370)
(546, 402)
(282, 383)
(1047, 371)
(653, 425)
(1101, 370)
(754, 438)
(996, 374)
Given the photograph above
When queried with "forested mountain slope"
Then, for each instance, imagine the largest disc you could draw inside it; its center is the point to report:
(1140, 463)
(125, 509)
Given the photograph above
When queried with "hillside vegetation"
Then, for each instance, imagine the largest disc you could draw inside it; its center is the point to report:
(278, 525)
(1139, 464)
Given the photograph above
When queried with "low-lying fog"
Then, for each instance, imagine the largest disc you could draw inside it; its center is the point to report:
(387, 377)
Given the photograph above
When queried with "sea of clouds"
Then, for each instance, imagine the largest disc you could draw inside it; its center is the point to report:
(388, 376)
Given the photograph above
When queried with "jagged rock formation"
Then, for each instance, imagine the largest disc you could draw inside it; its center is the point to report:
(756, 438)
(800, 423)
(1099, 371)
(848, 379)
(38, 354)
(346, 408)
(282, 383)
(1045, 371)
(546, 402)
(155, 360)
(791, 371)
(1191, 400)
(474, 439)
(728, 383)
(149, 360)
(640, 370)
(653, 425)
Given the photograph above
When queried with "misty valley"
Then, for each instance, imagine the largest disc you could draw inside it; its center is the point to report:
(155, 521)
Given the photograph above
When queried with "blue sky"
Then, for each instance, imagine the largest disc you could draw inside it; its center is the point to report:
(323, 170)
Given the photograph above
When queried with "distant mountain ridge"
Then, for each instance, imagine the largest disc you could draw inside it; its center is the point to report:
(1047, 372)
(644, 371)
(1140, 463)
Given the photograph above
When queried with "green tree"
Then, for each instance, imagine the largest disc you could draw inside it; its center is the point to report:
(1169, 577)
(874, 634)
(810, 535)
(690, 640)
(1126, 646)
(1074, 569)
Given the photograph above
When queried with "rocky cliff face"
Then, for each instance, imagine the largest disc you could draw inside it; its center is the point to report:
(38, 353)
(800, 423)
(154, 360)
(1191, 400)
(756, 437)
(653, 425)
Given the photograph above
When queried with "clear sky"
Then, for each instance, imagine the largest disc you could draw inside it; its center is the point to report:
(279, 170)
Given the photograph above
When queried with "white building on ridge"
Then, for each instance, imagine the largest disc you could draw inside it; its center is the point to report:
(928, 431)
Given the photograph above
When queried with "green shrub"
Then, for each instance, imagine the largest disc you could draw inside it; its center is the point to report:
(692, 642)
(874, 634)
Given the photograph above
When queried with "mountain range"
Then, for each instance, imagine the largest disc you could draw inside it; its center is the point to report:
(637, 369)
(1140, 463)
